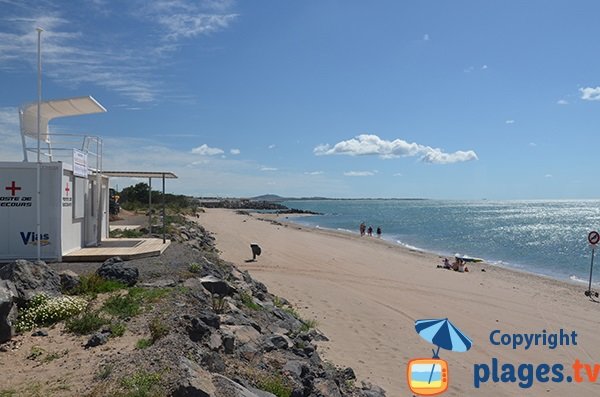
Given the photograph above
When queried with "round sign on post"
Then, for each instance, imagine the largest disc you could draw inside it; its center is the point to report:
(594, 237)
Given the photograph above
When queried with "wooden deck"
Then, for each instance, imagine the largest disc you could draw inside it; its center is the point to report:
(126, 248)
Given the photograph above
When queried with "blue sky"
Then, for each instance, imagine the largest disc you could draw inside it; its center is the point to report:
(453, 99)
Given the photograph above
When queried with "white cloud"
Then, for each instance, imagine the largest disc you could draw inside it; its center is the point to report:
(590, 93)
(314, 173)
(235, 151)
(509, 121)
(398, 174)
(469, 69)
(116, 61)
(206, 150)
(359, 173)
(272, 146)
(369, 145)
(426, 37)
(562, 102)
(268, 169)
(484, 67)
(548, 176)
(532, 144)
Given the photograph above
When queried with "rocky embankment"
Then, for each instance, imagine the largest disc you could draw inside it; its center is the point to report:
(245, 204)
(201, 328)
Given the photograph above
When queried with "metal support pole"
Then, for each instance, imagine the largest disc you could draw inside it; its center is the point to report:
(164, 214)
(38, 168)
(150, 205)
(591, 269)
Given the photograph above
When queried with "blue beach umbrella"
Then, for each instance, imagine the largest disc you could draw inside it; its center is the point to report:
(442, 333)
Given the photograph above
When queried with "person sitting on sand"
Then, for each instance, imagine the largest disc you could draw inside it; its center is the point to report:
(446, 264)
(456, 264)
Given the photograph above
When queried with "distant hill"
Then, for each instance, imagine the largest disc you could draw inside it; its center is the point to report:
(274, 197)
(268, 197)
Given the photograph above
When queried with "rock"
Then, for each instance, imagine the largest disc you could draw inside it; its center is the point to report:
(228, 388)
(197, 330)
(115, 269)
(260, 393)
(215, 342)
(370, 390)
(69, 280)
(210, 318)
(243, 333)
(31, 279)
(228, 343)
(213, 362)
(327, 388)
(239, 319)
(248, 351)
(195, 382)
(309, 350)
(318, 336)
(348, 374)
(99, 338)
(160, 283)
(296, 368)
(40, 332)
(216, 286)
(7, 295)
(279, 341)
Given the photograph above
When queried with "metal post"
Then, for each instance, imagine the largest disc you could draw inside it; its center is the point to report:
(38, 168)
(164, 214)
(591, 269)
(150, 205)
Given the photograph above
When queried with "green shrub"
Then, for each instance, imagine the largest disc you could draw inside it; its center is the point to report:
(148, 295)
(142, 384)
(126, 233)
(122, 306)
(275, 384)
(94, 284)
(249, 302)
(117, 329)
(143, 343)
(44, 310)
(307, 325)
(85, 323)
(194, 267)
(158, 328)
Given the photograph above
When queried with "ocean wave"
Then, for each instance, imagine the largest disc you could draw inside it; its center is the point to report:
(576, 279)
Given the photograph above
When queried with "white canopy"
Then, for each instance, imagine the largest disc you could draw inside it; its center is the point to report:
(52, 109)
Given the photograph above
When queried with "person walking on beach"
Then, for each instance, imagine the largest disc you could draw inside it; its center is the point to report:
(378, 231)
(370, 231)
(363, 227)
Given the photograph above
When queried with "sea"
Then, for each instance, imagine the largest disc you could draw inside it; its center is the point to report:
(544, 237)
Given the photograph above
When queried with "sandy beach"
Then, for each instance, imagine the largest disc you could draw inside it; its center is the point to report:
(366, 295)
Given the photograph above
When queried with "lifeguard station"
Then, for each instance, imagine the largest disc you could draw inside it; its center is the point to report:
(73, 193)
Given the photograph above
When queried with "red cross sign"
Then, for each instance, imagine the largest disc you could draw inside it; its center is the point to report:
(13, 188)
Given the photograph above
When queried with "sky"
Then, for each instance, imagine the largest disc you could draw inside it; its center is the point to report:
(428, 99)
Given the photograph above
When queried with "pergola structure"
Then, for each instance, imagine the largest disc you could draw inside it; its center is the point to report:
(147, 174)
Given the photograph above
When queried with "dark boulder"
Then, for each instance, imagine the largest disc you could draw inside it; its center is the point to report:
(31, 279)
(7, 295)
(216, 286)
(195, 381)
(197, 330)
(115, 269)
(69, 280)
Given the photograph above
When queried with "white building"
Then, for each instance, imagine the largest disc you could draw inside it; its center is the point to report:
(73, 194)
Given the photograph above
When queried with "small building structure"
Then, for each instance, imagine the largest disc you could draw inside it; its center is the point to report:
(65, 191)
